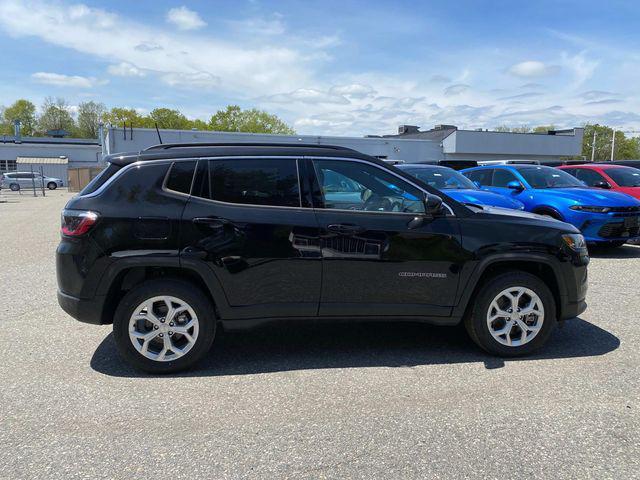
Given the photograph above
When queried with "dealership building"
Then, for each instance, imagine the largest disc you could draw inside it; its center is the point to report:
(443, 142)
(55, 156)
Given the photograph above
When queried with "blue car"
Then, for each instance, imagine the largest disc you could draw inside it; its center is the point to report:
(604, 217)
(457, 186)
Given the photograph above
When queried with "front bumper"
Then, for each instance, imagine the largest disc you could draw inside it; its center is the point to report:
(83, 310)
(606, 228)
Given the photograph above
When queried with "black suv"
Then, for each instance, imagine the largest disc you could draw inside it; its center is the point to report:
(174, 242)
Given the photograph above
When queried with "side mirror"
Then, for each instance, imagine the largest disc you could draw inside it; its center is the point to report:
(432, 208)
(515, 185)
(602, 184)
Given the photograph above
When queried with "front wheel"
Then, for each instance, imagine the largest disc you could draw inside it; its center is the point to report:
(52, 185)
(14, 187)
(513, 315)
(164, 325)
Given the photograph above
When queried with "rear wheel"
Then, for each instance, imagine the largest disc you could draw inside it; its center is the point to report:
(164, 326)
(52, 185)
(513, 315)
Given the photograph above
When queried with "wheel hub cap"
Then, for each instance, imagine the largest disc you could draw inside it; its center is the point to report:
(163, 328)
(515, 316)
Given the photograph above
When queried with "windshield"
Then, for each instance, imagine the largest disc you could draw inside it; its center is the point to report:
(548, 177)
(442, 178)
(625, 177)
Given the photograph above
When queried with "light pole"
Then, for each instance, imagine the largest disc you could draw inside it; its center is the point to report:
(593, 146)
(613, 143)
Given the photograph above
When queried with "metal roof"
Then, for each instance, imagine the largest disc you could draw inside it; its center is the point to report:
(43, 160)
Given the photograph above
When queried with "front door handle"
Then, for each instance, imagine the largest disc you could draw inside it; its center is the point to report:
(346, 228)
(211, 222)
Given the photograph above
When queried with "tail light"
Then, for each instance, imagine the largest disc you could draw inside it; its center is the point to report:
(77, 222)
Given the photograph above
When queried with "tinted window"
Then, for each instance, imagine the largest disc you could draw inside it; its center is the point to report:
(625, 177)
(501, 177)
(359, 186)
(180, 176)
(589, 177)
(483, 177)
(255, 181)
(100, 179)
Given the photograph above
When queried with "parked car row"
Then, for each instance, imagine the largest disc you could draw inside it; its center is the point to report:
(599, 199)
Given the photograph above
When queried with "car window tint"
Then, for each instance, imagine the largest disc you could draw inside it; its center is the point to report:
(359, 186)
(483, 177)
(180, 176)
(502, 177)
(590, 177)
(266, 181)
(625, 177)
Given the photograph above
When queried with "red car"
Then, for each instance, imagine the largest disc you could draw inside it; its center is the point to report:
(614, 177)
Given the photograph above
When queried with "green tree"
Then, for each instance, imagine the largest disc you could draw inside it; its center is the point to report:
(169, 118)
(118, 116)
(89, 117)
(22, 110)
(543, 128)
(55, 116)
(625, 148)
(234, 119)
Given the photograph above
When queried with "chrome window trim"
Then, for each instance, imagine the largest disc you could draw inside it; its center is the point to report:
(176, 192)
(297, 158)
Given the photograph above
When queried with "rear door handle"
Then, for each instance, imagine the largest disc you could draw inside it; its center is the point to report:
(346, 228)
(211, 222)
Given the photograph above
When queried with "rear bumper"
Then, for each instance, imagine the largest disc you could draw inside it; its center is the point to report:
(83, 310)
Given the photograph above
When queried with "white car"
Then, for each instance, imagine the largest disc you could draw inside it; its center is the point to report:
(15, 181)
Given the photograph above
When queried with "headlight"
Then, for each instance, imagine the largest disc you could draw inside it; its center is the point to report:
(574, 241)
(591, 209)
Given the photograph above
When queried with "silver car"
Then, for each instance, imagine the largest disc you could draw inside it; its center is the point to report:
(17, 180)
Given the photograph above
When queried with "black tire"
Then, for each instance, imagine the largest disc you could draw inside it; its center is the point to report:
(476, 320)
(185, 291)
(14, 187)
(52, 185)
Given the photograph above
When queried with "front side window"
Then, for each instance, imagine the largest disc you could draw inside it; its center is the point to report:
(272, 182)
(590, 177)
(348, 185)
(502, 178)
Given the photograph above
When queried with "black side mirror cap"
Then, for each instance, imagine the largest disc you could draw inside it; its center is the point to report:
(432, 208)
(602, 184)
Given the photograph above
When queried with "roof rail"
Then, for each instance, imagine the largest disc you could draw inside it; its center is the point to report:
(167, 146)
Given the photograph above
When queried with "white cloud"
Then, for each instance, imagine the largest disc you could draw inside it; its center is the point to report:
(124, 69)
(353, 90)
(307, 95)
(581, 67)
(61, 80)
(532, 69)
(456, 89)
(196, 79)
(261, 26)
(185, 19)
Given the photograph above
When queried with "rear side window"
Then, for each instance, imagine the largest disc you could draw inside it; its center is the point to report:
(180, 176)
(100, 179)
(272, 182)
(589, 177)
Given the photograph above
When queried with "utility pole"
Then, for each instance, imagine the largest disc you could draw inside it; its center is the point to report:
(593, 146)
(613, 143)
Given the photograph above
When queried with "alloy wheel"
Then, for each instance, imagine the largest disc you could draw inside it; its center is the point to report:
(515, 316)
(163, 328)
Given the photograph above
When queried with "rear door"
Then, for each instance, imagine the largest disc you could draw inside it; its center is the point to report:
(374, 263)
(247, 221)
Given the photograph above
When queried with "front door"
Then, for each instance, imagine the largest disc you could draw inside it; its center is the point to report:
(246, 220)
(375, 260)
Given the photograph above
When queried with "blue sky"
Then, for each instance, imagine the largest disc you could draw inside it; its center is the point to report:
(334, 67)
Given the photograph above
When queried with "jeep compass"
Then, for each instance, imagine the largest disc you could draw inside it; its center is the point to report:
(174, 243)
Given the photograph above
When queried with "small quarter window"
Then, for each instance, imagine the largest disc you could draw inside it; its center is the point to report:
(180, 176)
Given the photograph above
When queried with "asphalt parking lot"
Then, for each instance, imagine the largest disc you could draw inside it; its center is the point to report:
(341, 401)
